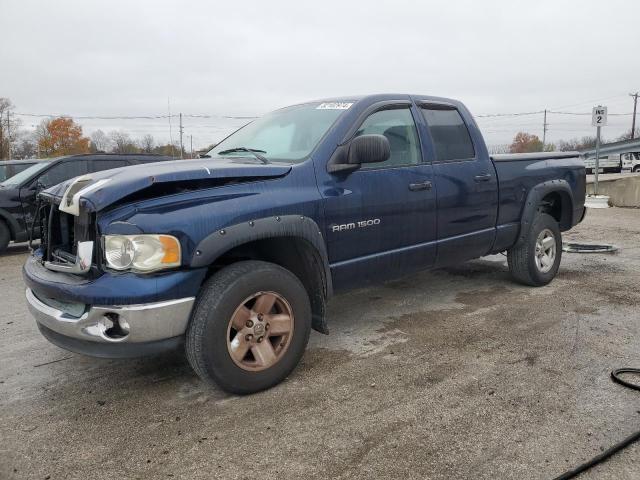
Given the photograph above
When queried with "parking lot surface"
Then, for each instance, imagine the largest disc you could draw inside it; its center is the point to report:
(455, 373)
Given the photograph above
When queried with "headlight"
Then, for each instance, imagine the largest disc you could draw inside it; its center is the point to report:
(141, 252)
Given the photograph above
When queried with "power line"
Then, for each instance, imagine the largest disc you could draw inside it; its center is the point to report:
(517, 114)
(247, 117)
(132, 117)
(586, 113)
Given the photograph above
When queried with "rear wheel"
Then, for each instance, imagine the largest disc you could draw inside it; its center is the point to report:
(5, 236)
(249, 328)
(535, 261)
(636, 169)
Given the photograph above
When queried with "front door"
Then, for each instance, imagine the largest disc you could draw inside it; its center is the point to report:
(381, 218)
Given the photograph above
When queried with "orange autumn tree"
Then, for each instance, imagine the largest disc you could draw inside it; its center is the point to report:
(61, 136)
(525, 143)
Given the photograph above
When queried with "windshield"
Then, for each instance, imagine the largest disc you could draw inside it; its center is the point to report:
(19, 178)
(286, 135)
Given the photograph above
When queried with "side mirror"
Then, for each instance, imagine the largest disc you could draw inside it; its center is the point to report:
(363, 149)
(369, 149)
(36, 186)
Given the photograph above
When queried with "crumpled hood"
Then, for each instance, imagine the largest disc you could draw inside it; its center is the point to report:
(96, 191)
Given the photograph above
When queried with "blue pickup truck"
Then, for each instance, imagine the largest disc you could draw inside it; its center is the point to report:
(233, 257)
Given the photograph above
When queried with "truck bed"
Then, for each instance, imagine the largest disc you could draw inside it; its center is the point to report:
(518, 173)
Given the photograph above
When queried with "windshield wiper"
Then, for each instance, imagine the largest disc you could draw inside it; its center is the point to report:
(254, 151)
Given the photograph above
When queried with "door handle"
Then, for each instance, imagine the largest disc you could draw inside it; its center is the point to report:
(414, 187)
(485, 177)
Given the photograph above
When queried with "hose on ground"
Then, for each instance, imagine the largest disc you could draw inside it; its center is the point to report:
(615, 375)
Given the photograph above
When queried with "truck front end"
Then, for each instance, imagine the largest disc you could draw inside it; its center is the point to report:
(118, 295)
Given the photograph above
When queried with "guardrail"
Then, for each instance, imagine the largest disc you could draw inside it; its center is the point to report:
(615, 147)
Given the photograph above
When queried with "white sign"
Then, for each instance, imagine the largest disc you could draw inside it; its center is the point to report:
(599, 116)
(334, 106)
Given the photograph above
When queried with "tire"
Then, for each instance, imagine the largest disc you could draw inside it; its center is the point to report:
(636, 169)
(5, 236)
(531, 265)
(230, 299)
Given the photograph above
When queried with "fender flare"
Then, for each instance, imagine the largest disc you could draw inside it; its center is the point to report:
(298, 226)
(12, 223)
(535, 196)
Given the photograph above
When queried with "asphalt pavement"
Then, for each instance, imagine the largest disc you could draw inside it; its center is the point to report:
(455, 373)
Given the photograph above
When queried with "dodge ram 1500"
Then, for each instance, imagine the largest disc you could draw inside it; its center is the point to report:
(234, 257)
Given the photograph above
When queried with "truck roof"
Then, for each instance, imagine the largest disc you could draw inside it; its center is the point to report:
(378, 97)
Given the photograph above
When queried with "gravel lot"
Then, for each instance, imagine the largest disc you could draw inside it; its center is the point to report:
(456, 373)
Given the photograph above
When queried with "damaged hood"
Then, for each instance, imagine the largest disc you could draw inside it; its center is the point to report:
(96, 191)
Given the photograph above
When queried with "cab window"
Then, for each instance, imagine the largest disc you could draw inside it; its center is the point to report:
(451, 139)
(99, 165)
(400, 129)
(63, 171)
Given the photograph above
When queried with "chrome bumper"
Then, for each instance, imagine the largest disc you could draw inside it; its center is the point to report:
(138, 323)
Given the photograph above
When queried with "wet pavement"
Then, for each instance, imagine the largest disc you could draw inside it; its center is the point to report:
(456, 373)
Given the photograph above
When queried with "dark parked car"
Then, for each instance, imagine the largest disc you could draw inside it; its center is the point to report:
(235, 256)
(18, 193)
(9, 168)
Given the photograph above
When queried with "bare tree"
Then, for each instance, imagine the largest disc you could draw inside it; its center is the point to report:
(9, 126)
(26, 145)
(627, 135)
(577, 144)
(122, 142)
(99, 141)
(41, 133)
(147, 143)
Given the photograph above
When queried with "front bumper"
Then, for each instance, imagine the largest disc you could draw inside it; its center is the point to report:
(139, 329)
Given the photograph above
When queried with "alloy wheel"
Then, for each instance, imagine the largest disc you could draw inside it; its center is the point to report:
(260, 331)
(545, 253)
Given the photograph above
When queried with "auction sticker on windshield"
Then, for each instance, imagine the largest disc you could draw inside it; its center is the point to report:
(334, 106)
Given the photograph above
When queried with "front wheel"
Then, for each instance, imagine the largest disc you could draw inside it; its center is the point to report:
(249, 328)
(536, 259)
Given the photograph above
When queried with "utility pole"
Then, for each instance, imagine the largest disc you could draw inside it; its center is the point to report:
(633, 121)
(9, 131)
(544, 130)
(170, 130)
(1, 138)
(181, 130)
(191, 141)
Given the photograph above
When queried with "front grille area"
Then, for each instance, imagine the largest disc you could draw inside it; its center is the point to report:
(61, 233)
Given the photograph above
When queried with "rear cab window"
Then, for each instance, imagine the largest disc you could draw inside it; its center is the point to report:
(449, 132)
(107, 164)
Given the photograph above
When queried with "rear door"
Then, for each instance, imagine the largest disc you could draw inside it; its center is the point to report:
(466, 185)
(381, 218)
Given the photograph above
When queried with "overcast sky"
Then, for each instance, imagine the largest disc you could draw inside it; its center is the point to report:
(245, 58)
